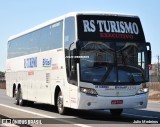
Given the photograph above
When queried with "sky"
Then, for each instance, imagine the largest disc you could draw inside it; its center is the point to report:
(19, 15)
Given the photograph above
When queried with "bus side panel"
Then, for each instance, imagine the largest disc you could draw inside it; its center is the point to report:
(38, 82)
(9, 84)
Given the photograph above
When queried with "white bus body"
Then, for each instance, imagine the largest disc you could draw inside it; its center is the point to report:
(37, 66)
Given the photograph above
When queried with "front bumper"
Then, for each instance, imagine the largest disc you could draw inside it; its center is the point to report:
(101, 102)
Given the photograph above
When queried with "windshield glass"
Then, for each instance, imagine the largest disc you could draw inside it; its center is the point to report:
(113, 62)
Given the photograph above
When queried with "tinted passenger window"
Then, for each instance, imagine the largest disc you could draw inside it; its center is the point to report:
(56, 34)
(69, 36)
(47, 38)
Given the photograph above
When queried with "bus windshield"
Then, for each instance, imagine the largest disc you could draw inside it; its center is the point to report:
(113, 62)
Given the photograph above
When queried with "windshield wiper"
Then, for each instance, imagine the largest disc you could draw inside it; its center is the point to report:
(106, 74)
(123, 58)
(131, 78)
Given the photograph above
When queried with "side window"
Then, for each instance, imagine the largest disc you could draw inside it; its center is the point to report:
(11, 49)
(44, 38)
(69, 38)
(47, 38)
(25, 44)
(16, 48)
(69, 35)
(56, 34)
(33, 45)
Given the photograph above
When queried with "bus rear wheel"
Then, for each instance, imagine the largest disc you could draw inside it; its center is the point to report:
(60, 106)
(116, 112)
(16, 97)
(20, 99)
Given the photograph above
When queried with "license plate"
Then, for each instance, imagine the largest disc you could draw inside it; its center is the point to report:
(117, 102)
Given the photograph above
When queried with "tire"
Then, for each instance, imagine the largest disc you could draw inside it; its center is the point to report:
(16, 97)
(21, 101)
(60, 106)
(116, 112)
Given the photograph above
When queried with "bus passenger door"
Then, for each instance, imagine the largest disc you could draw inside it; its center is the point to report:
(73, 85)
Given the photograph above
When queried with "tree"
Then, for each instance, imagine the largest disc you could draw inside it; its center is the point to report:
(2, 74)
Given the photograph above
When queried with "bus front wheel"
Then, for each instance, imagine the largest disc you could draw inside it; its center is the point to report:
(116, 112)
(60, 106)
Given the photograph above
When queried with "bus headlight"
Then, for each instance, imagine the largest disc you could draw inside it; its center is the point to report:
(142, 90)
(89, 91)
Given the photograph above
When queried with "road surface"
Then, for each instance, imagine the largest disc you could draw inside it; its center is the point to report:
(47, 114)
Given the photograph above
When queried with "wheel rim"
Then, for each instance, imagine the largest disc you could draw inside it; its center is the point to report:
(16, 96)
(60, 103)
(20, 97)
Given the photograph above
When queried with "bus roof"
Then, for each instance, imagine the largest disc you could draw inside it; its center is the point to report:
(67, 15)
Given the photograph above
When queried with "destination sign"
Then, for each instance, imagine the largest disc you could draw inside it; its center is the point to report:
(111, 28)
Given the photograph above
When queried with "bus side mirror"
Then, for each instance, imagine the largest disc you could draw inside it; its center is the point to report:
(149, 52)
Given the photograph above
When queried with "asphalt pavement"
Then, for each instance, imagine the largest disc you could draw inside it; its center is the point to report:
(46, 115)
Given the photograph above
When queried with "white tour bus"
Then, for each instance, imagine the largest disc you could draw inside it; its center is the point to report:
(84, 60)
